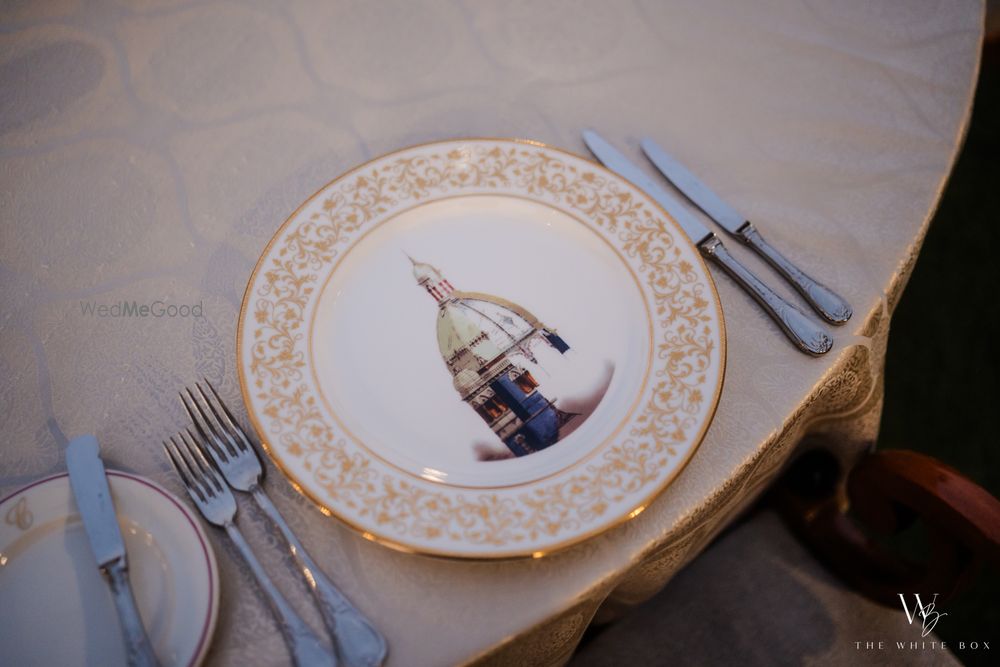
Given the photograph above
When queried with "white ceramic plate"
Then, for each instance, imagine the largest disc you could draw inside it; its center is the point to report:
(58, 608)
(481, 348)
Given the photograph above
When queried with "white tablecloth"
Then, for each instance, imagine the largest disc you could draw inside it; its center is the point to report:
(148, 150)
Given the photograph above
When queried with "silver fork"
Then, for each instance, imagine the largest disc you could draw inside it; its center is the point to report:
(358, 643)
(216, 503)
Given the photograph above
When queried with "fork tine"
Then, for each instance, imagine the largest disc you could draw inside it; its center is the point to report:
(208, 469)
(176, 465)
(230, 419)
(188, 477)
(218, 452)
(192, 409)
(206, 428)
(227, 426)
(217, 424)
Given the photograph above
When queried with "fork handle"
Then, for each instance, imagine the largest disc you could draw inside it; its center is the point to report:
(358, 642)
(304, 645)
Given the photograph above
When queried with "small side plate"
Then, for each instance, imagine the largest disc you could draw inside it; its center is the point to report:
(57, 607)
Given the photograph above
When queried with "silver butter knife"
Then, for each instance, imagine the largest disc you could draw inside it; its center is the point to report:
(93, 500)
(800, 329)
(831, 306)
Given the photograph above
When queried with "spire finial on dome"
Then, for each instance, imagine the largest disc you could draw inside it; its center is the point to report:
(431, 279)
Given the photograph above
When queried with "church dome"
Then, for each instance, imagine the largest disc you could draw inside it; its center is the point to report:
(461, 339)
(474, 329)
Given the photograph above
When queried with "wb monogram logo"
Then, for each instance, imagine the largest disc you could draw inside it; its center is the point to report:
(929, 617)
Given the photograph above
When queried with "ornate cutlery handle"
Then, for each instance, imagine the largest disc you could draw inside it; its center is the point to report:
(304, 645)
(801, 330)
(138, 649)
(824, 301)
(358, 642)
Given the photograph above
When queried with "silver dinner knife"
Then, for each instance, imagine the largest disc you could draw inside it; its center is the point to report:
(93, 500)
(831, 306)
(800, 329)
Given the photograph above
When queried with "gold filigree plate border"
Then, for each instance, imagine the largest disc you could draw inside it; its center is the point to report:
(421, 516)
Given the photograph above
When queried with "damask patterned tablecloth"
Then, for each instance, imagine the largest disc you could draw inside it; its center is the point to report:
(149, 149)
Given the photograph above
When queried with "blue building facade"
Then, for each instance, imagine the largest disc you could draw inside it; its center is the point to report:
(540, 420)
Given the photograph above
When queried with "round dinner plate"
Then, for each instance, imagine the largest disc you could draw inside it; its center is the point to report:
(57, 606)
(481, 348)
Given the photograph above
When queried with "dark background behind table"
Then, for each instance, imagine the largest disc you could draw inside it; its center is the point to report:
(943, 364)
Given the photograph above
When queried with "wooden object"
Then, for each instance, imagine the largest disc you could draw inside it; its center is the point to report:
(842, 521)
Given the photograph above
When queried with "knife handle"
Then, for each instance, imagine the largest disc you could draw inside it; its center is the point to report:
(138, 649)
(831, 306)
(802, 331)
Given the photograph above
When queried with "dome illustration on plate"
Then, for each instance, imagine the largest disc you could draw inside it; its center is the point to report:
(490, 347)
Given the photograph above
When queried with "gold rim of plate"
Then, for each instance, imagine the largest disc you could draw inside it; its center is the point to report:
(652, 233)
